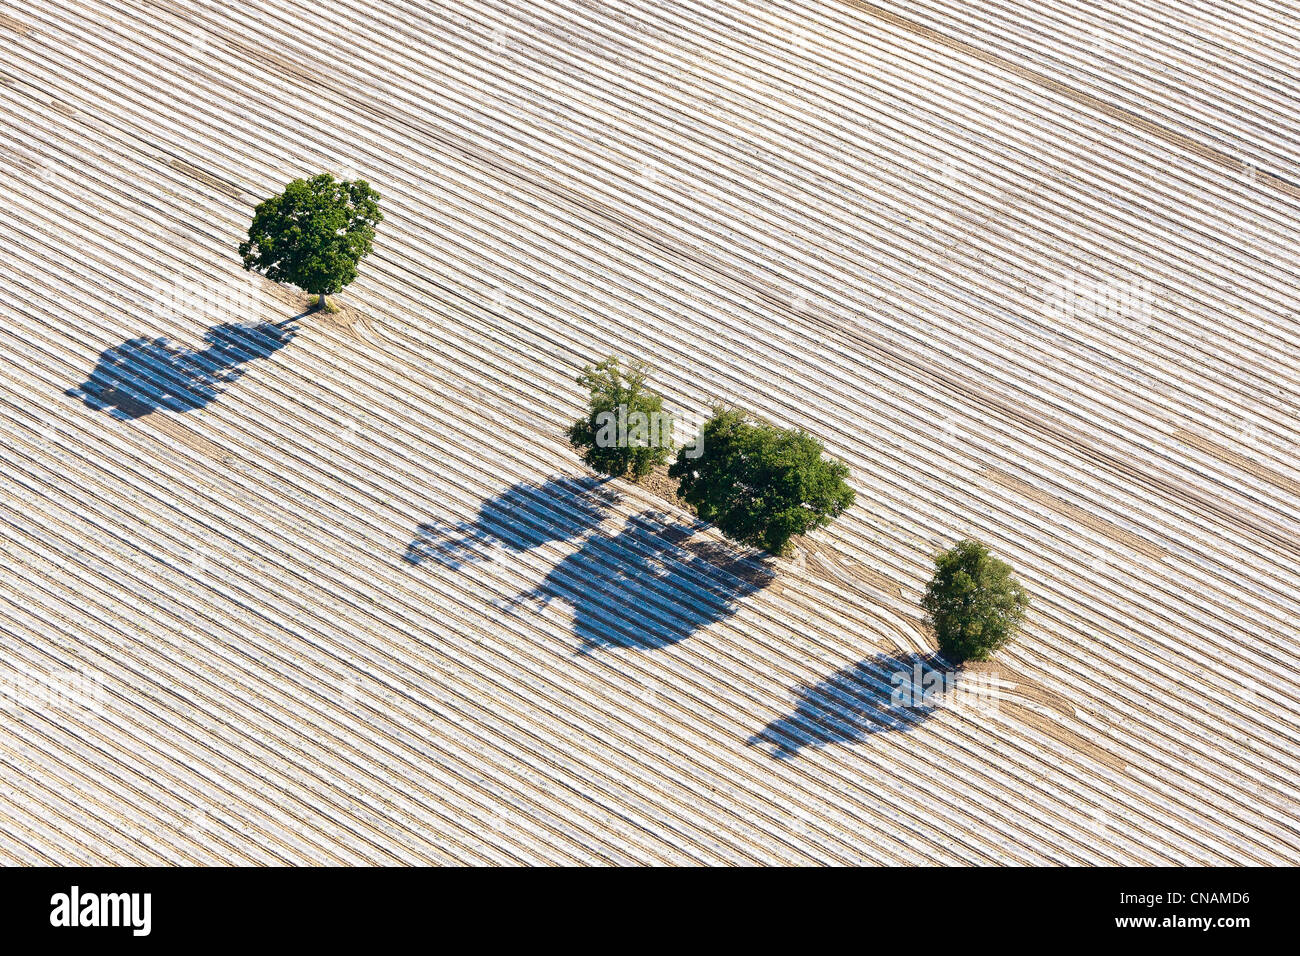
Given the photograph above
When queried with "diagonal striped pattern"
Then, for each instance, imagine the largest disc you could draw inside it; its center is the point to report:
(344, 595)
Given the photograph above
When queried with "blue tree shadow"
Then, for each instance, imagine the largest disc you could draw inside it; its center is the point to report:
(144, 374)
(521, 517)
(881, 694)
(649, 585)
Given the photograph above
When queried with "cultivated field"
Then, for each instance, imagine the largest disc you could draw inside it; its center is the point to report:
(338, 591)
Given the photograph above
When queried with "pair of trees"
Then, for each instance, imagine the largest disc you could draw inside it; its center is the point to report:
(760, 484)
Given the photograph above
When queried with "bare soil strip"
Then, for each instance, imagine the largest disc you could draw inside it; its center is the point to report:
(1075, 513)
(1262, 472)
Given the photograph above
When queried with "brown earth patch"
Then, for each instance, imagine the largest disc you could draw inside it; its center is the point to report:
(1061, 734)
(825, 561)
(9, 23)
(1023, 699)
(347, 321)
(220, 185)
(660, 485)
(1262, 472)
(1077, 514)
(178, 431)
(300, 301)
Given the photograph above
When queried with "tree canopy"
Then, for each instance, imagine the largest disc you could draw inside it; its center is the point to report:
(626, 431)
(314, 234)
(761, 484)
(974, 603)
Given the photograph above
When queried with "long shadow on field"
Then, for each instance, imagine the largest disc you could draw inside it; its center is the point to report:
(885, 693)
(143, 375)
(649, 585)
(521, 517)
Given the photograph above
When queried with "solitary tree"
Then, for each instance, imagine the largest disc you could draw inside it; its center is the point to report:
(761, 484)
(313, 234)
(626, 430)
(974, 603)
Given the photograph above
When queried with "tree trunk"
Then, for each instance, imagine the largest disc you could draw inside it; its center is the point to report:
(323, 303)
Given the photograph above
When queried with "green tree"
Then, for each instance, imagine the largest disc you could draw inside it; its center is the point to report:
(626, 430)
(974, 603)
(758, 483)
(314, 234)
